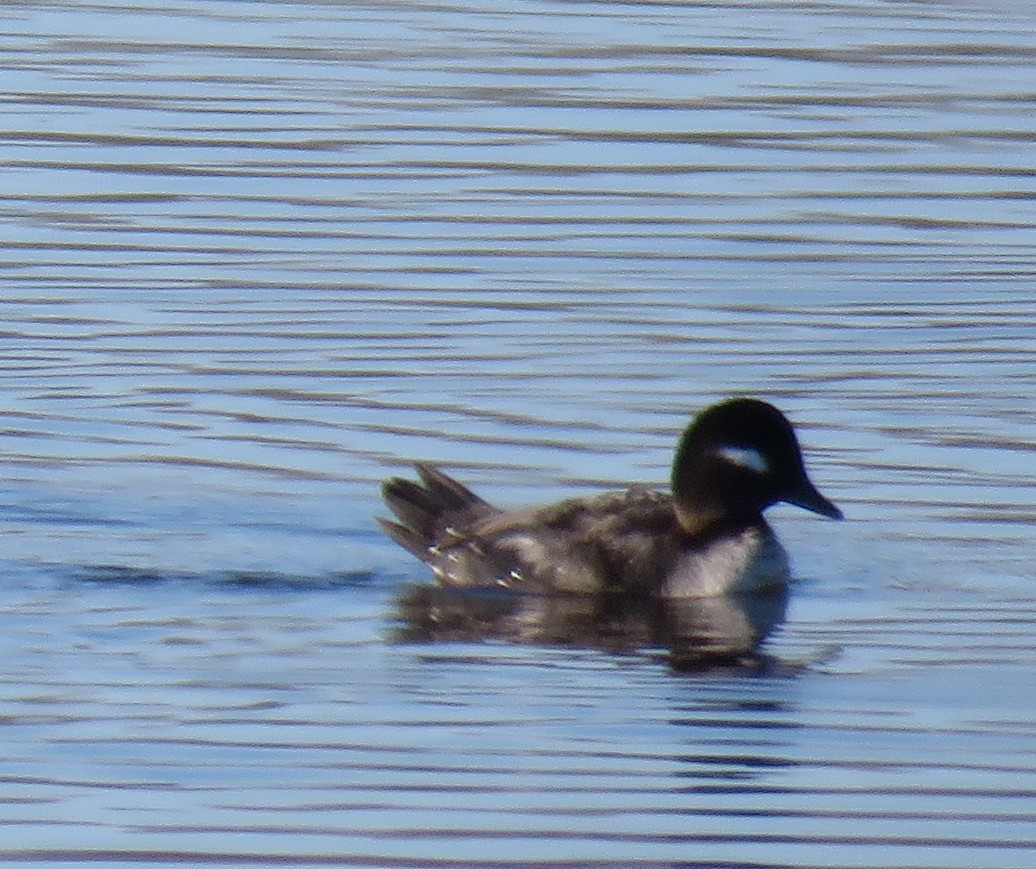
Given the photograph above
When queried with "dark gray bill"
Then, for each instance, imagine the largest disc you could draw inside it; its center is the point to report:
(807, 497)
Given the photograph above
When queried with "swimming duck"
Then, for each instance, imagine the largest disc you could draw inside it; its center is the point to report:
(708, 537)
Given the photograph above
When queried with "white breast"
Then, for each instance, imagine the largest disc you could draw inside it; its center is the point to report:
(750, 560)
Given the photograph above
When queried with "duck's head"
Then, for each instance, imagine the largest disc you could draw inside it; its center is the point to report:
(734, 460)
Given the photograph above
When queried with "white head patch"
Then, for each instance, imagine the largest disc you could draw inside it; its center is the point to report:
(745, 457)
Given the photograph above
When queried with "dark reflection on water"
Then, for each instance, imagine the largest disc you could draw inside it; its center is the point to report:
(694, 633)
(109, 575)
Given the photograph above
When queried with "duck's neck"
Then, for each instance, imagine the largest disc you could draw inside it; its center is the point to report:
(694, 521)
(698, 496)
(696, 513)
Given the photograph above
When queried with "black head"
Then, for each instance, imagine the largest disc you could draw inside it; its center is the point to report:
(735, 460)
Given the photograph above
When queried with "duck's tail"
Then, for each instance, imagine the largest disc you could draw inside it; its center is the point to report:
(430, 512)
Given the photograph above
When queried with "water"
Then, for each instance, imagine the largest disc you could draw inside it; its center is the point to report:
(257, 256)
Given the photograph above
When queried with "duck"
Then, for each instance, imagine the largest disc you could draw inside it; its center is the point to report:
(704, 537)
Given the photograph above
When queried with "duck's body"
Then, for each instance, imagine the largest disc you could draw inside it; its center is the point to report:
(707, 538)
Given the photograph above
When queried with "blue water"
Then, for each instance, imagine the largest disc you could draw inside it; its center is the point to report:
(259, 256)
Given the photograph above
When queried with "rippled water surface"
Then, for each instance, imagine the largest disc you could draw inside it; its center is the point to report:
(258, 255)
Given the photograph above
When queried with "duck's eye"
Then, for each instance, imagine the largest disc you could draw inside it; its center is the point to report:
(745, 457)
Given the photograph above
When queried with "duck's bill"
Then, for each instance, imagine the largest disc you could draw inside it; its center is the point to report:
(807, 497)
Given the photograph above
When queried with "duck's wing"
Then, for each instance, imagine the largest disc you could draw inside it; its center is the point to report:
(637, 510)
(617, 541)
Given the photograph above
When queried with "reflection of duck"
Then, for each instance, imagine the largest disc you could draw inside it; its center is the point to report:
(707, 538)
(694, 632)
(703, 630)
